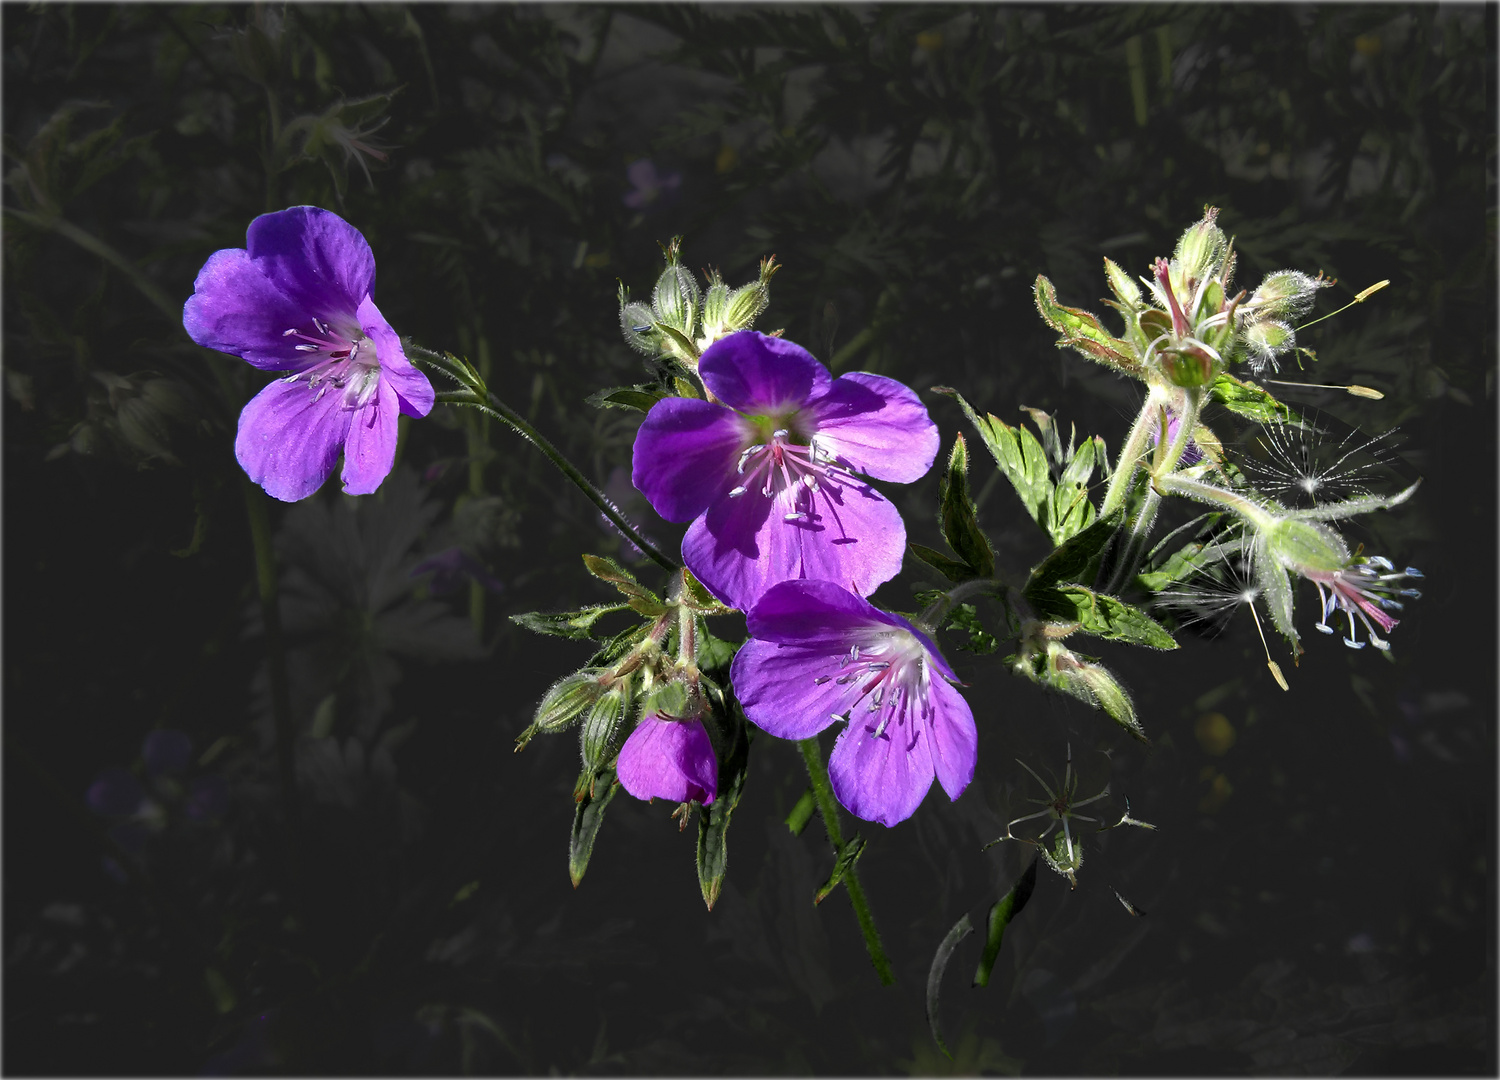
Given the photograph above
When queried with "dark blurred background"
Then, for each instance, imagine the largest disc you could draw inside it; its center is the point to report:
(1319, 895)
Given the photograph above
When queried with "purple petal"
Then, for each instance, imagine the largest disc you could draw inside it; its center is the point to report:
(880, 777)
(236, 309)
(850, 535)
(370, 445)
(758, 375)
(642, 173)
(289, 438)
(877, 425)
(778, 689)
(669, 759)
(954, 740)
(813, 612)
(411, 386)
(115, 793)
(316, 258)
(685, 455)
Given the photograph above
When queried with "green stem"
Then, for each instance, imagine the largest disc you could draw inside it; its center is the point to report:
(823, 793)
(281, 707)
(1252, 512)
(503, 412)
(1167, 457)
(1130, 456)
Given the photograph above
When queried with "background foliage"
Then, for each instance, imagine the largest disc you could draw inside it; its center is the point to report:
(1320, 894)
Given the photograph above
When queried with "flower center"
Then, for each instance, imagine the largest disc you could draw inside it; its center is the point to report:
(889, 668)
(797, 472)
(344, 360)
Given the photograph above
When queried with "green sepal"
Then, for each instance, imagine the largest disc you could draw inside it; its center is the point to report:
(588, 815)
(641, 599)
(1251, 400)
(574, 625)
(698, 598)
(713, 820)
(1100, 614)
(841, 866)
(1082, 331)
(957, 517)
(1001, 913)
(666, 699)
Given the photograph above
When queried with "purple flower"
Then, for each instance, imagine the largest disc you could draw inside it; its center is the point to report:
(766, 471)
(669, 759)
(1191, 454)
(647, 185)
(298, 300)
(166, 751)
(818, 654)
(115, 793)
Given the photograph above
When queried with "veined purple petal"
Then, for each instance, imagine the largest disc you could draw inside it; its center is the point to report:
(236, 309)
(289, 438)
(669, 759)
(877, 425)
(370, 445)
(411, 386)
(881, 777)
(685, 455)
(846, 533)
(954, 739)
(316, 258)
(758, 375)
(791, 691)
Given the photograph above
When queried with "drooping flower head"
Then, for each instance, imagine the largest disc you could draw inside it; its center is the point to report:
(818, 654)
(766, 472)
(666, 758)
(1365, 589)
(298, 299)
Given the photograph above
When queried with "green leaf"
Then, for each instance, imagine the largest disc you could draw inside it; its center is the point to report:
(1070, 511)
(960, 527)
(713, 821)
(1001, 913)
(1101, 615)
(842, 865)
(639, 397)
(950, 568)
(588, 815)
(1017, 452)
(965, 617)
(1076, 559)
(802, 812)
(575, 625)
(1250, 399)
(1181, 564)
(961, 929)
(1082, 331)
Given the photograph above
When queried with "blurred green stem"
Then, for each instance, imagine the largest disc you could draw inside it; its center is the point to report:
(828, 808)
(281, 706)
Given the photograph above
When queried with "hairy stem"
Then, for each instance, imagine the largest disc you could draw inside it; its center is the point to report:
(828, 808)
(1203, 491)
(493, 406)
(1130, 456)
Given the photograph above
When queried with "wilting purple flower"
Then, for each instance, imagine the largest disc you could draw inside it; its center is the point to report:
(647, 185)
(115, 793)
(669, 759)
(166, 751)
(766, 472)
(1367, 590)
(298, 300)
(817, 654)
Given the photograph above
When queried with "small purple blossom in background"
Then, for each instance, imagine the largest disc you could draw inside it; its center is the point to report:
(669, 759)
(647, 185)
(299, 300)
(817, 654)
(115, 793)
(453, 569)
(766, 473)
(1191, 454)
(166, 751)
(207, 798)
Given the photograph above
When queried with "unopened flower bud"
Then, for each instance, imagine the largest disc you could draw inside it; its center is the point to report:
(568, 699)
(1200, 253)
(1093, 683)
(1126, 291)
(1286, 294)
(675, 298)
(636, 322)
(715, 307)
(745, 305)
(1190, 365)
(603, 730)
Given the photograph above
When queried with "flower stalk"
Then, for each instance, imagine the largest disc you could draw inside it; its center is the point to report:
(829, 811)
